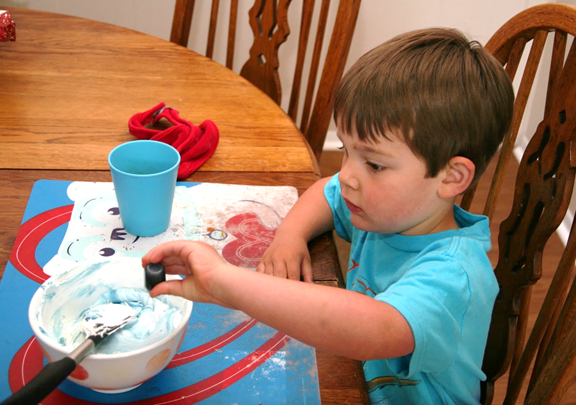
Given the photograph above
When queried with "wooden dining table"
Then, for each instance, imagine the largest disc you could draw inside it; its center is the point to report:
(68, 87)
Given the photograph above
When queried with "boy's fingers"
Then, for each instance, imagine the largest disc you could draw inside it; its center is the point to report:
(293, 272)
(261, 268)
(280, 269)
(172, 287)
(270, 268)
(307, 274)
(171, 248)
(154, 255)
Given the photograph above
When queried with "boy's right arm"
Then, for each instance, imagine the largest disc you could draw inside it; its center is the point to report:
(341, 321)
(288, 255)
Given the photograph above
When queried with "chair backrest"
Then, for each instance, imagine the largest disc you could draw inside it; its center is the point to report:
(311, 102)
(542, 195)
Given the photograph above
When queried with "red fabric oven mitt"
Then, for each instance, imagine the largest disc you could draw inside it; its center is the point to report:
(195, 143)
(7, 27)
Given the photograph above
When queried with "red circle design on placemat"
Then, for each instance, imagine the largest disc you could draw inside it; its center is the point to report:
(23, 256)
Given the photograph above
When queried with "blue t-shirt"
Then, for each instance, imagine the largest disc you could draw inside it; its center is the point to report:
(444, 286)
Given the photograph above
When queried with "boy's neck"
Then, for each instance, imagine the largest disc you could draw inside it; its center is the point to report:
(444, 221)
(447, 224)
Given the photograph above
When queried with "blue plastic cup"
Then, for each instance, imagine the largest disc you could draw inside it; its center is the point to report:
(144, 176)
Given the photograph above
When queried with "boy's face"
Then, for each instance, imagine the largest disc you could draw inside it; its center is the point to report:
(385, 188)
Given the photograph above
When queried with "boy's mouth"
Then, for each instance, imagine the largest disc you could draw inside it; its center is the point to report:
(352, 207)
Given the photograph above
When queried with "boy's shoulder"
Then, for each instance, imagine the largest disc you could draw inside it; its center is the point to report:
(476, 227)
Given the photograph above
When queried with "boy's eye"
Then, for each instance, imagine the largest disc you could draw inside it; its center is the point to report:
(374, 166)
(342, 148)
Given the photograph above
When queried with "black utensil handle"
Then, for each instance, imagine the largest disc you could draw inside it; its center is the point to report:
(43, 383)
(154, 274)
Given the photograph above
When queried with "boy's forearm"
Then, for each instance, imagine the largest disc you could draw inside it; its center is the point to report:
(340, 321)
(310, 216)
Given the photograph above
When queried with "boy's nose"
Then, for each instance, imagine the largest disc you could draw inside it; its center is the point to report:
(347, 174)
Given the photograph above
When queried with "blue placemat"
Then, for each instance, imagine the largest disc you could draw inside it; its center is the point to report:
(226, 357)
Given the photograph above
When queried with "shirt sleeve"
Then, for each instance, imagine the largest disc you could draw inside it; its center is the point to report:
(341, 213)
(433, 296)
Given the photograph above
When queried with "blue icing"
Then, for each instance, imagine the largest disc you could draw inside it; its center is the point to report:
(73, 297)
(156, 318)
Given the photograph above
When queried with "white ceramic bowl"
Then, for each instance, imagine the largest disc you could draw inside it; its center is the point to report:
(112, 373)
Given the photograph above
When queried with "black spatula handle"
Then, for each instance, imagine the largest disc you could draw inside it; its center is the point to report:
(154, 274)
(43, 383)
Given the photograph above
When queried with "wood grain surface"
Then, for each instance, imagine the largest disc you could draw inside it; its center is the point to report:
(69, 86)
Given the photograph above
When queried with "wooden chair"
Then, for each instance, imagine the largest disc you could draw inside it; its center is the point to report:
(269, 22)
(544, 186)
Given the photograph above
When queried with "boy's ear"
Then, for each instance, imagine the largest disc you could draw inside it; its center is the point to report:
(458, 174)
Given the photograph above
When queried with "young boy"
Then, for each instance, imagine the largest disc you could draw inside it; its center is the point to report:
(419, 117)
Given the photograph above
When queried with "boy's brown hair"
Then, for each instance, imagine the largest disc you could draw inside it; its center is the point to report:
(447, 95)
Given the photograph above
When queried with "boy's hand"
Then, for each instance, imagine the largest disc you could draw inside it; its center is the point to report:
(199, 262)
(287, 258)
(288, 255)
